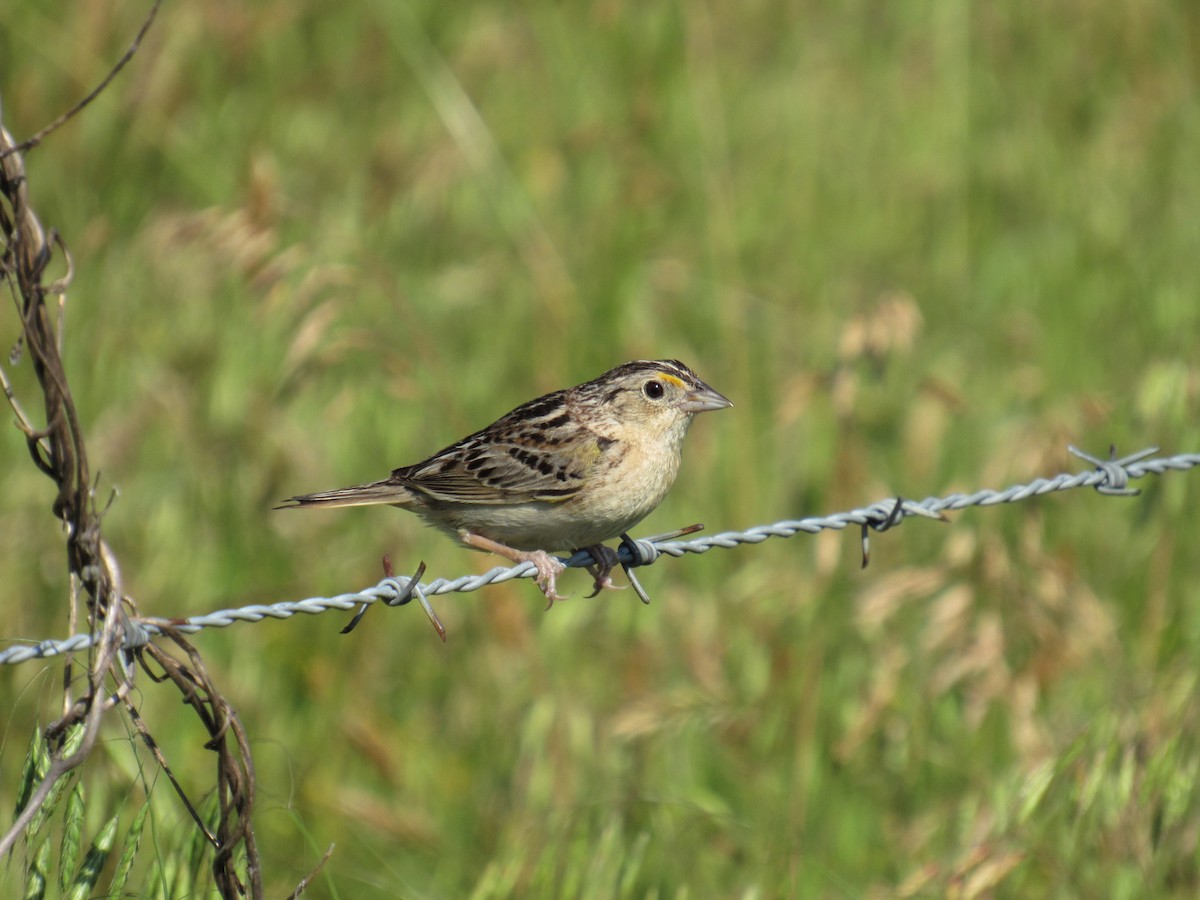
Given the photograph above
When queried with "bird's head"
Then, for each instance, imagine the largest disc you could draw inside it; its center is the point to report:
(658, 397)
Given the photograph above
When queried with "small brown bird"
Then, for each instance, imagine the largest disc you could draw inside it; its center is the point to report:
(566, 471)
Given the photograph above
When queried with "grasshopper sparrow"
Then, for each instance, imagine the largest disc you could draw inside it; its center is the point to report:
(566, 471)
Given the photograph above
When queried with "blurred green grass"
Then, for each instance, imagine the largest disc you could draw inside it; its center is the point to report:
(922, 247)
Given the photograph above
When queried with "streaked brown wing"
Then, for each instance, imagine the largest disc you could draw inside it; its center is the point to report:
(533, 453)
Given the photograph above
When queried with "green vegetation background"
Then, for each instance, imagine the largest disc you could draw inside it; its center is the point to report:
(922, 246)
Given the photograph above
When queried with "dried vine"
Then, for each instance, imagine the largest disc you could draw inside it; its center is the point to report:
(29, 253)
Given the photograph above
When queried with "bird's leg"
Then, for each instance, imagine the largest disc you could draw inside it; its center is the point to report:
(548, 568)
(605, 561)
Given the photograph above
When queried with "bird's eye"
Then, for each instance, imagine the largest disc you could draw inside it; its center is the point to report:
(653, 390)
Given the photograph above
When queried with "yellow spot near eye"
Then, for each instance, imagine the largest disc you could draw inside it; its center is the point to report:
(671, 380)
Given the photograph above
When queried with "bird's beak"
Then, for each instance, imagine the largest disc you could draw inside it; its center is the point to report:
(703, 399)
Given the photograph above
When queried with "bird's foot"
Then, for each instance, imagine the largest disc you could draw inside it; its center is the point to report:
(605, 561)
(548, 567)
(548, 570)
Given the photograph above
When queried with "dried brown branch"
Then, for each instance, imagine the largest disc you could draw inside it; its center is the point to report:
(27, 250)
(308, 879)
(235, 766)
(95, 92)
(58, 447)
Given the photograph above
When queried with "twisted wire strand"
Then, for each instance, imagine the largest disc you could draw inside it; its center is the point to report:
(1110, 477)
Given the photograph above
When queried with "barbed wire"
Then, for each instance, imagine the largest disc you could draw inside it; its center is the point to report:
(1110, 477)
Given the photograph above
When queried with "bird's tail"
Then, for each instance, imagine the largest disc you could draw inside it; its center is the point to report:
(358, 495)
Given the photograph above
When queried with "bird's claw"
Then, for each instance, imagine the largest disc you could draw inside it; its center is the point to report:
(548, 570)
(606, 560)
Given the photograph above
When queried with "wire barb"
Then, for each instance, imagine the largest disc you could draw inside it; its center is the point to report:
(1114, 470)
(1109, 477)
(638, 558)
(403, 592)
(885, 520)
